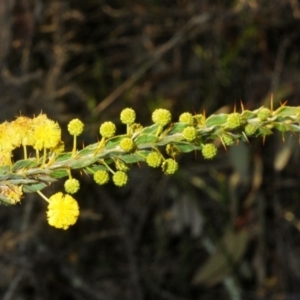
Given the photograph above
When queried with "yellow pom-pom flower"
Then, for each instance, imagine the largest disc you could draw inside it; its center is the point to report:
(161, 117)
(24, 131)
(107, 129)
(209, 151)
(189, 133)
(101, 177)
(186, 118)
(63, 211)
(154, 159)
(47, 133)
(127, 116)
(234, 120)
(127, 144)
(120, 178)
(75, 127)
(72, 185)
(169, 166)
(6, 137)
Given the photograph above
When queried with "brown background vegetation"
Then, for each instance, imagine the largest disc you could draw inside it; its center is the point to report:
(223, 229)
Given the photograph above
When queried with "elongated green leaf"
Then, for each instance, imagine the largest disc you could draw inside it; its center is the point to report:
(185, 147)
(146, 139)
(216, 120)
(59, 173)
(177, 128)
(287, 111)
(134, 158)
(34, 187)
(113, 142)
(63, 156)
(4, 170)
(24, 164)
(94, 168)
(247, 114)
(150, 129)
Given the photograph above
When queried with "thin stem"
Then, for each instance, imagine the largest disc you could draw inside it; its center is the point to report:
(43, 196)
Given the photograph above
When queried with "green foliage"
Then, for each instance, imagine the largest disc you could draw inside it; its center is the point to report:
(36, 173)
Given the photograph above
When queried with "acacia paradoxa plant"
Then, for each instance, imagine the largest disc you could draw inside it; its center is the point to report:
(157, 145)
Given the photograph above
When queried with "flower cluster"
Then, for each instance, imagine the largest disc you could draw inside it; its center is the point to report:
(157, 145)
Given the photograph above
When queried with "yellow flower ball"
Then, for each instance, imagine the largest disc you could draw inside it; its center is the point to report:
(63, 211)
(101, 177)
(161, 116)
(186, 118)
(120, 178)
(127, 116)
(189, 133)
(47, 133)
(75, 127)
(154, 159)
(107, 129)
(169, 166)
(127, 144)
(72, 185)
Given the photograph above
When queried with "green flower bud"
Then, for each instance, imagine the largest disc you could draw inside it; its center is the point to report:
(209, 151)
(101, 177)
(127, 144)
(186, 118)
(234, 120)
(72, 186)
(127, 116)
(189, 133)
(75, 127)
(169, 166)
(154, 159)
(250, 129)
(107, 129)
(161, 117)
(120, 178)
(121, 166)
(263, 113)
(172, 150)
(227, 139)
(199, 119)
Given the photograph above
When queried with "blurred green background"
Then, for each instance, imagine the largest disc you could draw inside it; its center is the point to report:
(221, 229)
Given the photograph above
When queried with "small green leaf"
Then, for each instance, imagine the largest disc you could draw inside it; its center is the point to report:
(287, 111)
(63, 156)
(59, 173)
(4, 170)
(264, 131)
(31, 188)
(150, 129)
(185, 147)
(91, 170)
(146, 139)
(216, 120)
(135, 157)
(24, 164)
(247, 114)
(113, 142)
(177, 128)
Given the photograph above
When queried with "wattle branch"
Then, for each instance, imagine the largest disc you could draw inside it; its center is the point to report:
(157, 145)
